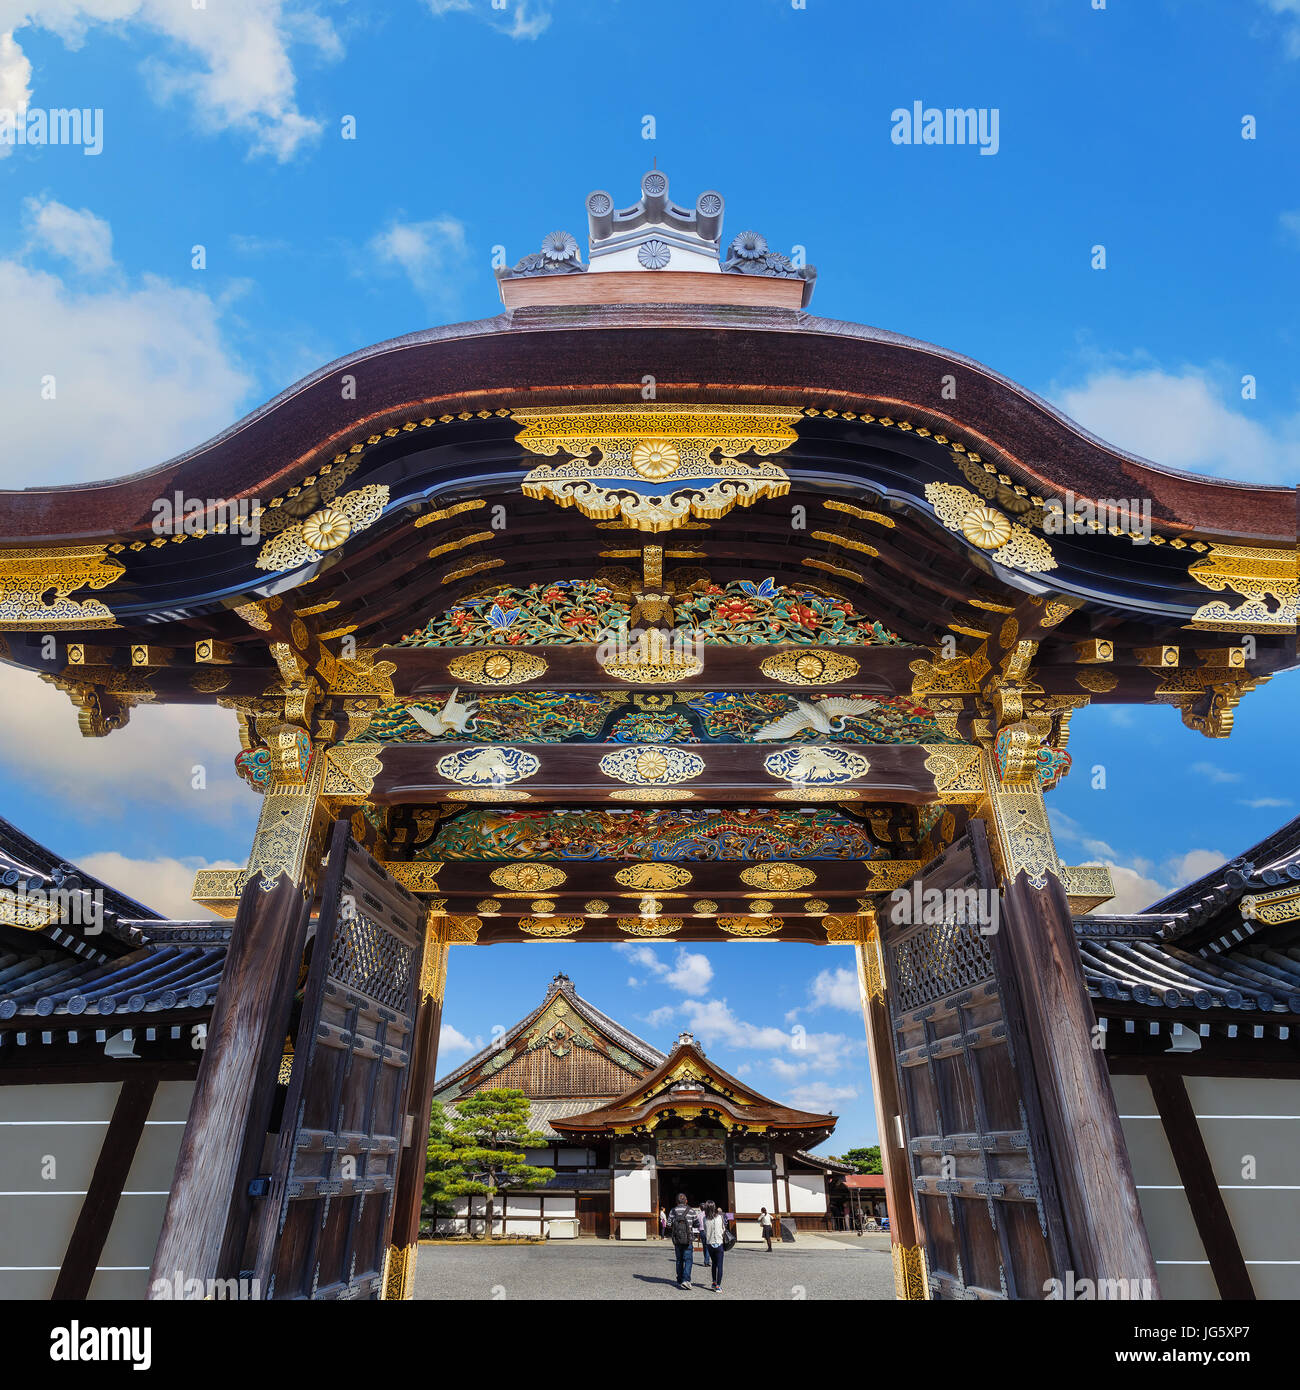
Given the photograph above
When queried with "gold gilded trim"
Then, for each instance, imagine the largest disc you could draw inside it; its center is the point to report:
(433, 963)
(1255, 574)
(956, 771)
(1087, 886)
(419, 877)
(777, 875)
(26, 575)
(1022, 837)
(671, 446)
(497, 666)
(1007, 542)
(352, 769)
(528, 878)
(911, 1280)
(285, 830)
(306, 541)
(655, 875)
(399, 1273)
(809, 667)
(1272, 908)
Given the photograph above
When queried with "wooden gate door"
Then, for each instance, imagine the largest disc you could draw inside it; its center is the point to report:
(323, 1229)
(593, 1216)
(981, 1173)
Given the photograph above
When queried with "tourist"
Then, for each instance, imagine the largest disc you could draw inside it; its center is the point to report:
(663, 1224)
(704, 1242)
(683, 1222)
(715, 1241)
(765, 1221)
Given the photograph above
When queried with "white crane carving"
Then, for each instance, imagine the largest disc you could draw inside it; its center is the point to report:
(825, 716)
(454, 717)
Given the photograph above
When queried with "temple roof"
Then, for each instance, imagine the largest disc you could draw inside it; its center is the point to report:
(476, 1071)
(547, 355)
(688, 1081)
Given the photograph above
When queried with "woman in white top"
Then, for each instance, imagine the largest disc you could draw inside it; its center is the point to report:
(715, 1235)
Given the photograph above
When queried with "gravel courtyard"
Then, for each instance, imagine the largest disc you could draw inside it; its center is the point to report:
(610, 1270)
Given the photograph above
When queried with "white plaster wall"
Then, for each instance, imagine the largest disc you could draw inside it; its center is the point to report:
(807, 1192)
(631, 1190)
(753, 1190)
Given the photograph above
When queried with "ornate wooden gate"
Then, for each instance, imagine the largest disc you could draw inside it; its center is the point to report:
(978, 1161)
(323, 1229)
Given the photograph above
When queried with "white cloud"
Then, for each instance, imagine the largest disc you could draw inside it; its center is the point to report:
(432, 255)
(163, 884)
(1291, 223)
(1186, 419)
(835, 989)
(521, 20)
(820, 1097)
(1261, 803)
(150, 760)
(139, 372)
(452, 1040)
(1138, 882)
(657, 1018)
(713, 1022)
(15, 79)
(230, 60)
(1214, 773)
(690, 971)
(1290, 27)
(81, 238)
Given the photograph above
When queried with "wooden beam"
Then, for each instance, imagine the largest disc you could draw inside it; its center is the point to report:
(1213, 1224)
(570, 773)
(880, 670)
(99, 1205)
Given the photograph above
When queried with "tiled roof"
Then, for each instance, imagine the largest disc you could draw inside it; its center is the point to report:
(1255, 978)
(542, 1112)
(50, 985)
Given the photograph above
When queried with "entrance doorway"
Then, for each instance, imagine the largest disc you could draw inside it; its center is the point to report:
(593, 1216)
(699, 1184)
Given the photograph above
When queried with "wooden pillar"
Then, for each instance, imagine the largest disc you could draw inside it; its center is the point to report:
(905, 1243)
(95, 1219)
(206, 1221)
(1104, 1230)
(399, 1269)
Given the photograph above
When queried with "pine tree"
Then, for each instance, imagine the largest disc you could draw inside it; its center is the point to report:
(864, 1160)
(478, 1150)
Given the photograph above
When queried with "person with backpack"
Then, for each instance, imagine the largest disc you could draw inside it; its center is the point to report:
(683, 1222)
(765, 1221)
(717, 1241)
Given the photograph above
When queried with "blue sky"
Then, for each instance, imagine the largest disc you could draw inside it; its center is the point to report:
(478, 127)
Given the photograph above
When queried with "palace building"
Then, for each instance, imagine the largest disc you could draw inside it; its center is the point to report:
(659, 607)
(632, 1128)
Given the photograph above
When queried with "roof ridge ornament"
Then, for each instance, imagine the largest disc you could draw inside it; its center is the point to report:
(656, 235)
